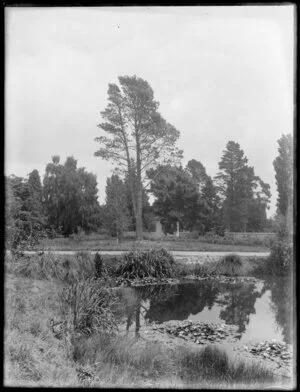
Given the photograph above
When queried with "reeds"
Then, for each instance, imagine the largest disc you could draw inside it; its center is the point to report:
(86, 306)
(150, 263)
(54, 267)
(229, 265)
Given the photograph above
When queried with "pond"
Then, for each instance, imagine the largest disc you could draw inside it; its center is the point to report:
(260, 310)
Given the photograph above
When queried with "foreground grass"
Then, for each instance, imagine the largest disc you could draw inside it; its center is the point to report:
(34, 357)
(94, 243)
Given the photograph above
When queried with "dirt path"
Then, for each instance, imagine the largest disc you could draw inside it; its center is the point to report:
(175, 253)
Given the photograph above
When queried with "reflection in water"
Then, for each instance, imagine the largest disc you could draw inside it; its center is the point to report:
(235, 304)
(188, 299)
(239, 301)
(282, 304)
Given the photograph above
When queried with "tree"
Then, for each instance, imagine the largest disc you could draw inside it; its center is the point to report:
(257, 219)
(283, 165)
(197, 171)
(117, 212)
(70, 197)
(177, 197)
(209, 195)
(237, 184)
(137, 136)
(24, 218)
(147, 213)
(89, 209)
(35, 200)
(51, 192)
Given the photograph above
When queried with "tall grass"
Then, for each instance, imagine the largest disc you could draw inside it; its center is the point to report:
(86, 307)
(230, 265)
(153, 360)
(53, 267)
(213, 364)
(150, 263)
(195, 269)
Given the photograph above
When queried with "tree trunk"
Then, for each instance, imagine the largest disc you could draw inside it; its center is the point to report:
(138, 214)
(139, 191)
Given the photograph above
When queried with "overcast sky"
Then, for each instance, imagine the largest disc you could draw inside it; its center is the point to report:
(219, 73)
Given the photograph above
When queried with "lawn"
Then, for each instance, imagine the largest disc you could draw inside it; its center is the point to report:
(96, 242)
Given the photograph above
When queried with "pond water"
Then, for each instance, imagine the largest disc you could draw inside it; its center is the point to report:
(261, 310)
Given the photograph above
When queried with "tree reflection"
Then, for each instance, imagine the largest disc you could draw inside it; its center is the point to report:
(186, 299)
(239, 301)
(282, 297)
(130, 303)
(177, 302)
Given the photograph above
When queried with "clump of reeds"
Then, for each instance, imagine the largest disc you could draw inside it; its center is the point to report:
(229, 265)
(86, 305)
(147, 263)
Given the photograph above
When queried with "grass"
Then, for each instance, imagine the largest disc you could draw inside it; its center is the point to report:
(211, 363)
(149, 263)
(35, 357)
(158, 263)
(229, 265)
(98, 243)
(86, 306)
(53, 267)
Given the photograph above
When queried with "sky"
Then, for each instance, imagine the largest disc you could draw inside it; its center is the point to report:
(219, 73)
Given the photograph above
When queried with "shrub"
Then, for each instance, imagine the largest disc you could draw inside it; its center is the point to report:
(148, 263)
(230, 265)
(281, 257)
(87, 307)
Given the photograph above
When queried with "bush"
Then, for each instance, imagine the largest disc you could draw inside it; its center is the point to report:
(230, 265)
(150, 263)
(281, 257)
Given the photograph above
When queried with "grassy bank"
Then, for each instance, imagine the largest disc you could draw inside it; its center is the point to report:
(35, 357)
(68, 269)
